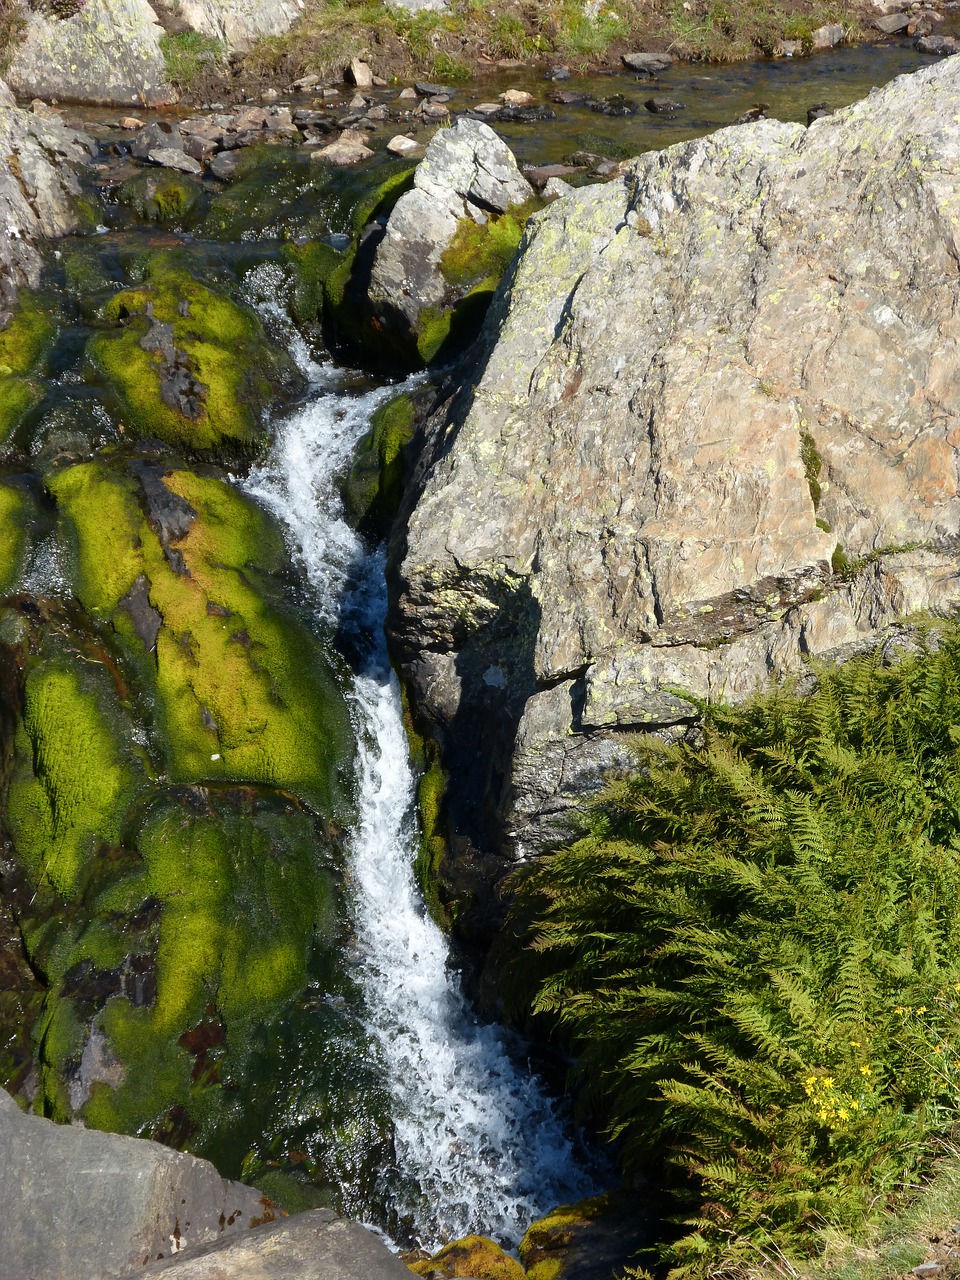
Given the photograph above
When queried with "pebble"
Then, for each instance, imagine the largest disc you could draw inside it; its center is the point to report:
(517, 98)
(131, 122)
(486, 109)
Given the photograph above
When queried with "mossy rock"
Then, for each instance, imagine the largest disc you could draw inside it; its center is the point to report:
(373, 487)
(242, 691)
(165, 197)
(591, 1240)
(311, 264)
(23, 344)
(16, 514)
(189, 366)
(473, 1256)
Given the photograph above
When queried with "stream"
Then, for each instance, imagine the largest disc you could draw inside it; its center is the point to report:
(471, 1139)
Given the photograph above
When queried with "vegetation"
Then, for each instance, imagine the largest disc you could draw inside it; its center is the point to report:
(191, 58)
(444, 45)
(755, 950)
(23, 344)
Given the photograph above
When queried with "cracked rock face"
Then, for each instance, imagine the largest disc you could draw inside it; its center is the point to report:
(37, 190)
(681, 362)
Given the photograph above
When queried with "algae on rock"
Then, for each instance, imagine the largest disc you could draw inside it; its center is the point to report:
(188, 365)
(23, 344)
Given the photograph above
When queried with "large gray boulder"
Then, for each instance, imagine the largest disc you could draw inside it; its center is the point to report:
(466, 172)
(38, 190)
(108, 53)
(705, 386)
(83, 1205)
(238, 23)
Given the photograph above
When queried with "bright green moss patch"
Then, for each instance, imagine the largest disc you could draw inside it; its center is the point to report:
(14, 517)
(200, 384)
(23, 343)
(72, 780)
(483, 251)
(474, 1256)
(374, 486)
(243, 691)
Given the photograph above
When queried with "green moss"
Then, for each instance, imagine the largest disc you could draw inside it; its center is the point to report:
(374, 486)
(474, 1256)
(72, 779)
(433, 330)
(812, 465)
(234, 367)
(382, 199)
(483, 251)
(23, 344)
(165, 197)
(59, 1034)
(188, 56)
(243, 691)
(14, 519)
(312, 264)
(839, 561)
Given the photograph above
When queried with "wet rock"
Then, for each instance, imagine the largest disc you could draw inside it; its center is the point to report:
(487, 109)
(359, 74)
(407, 95)
(305, 83)
(434, 110)
(831, 391)
(618, 105)
(554, 188)
(159, 135)
(818, 111)
(892, 24)
(566, 97)
(558, 73)
(942, 46)
(591, 1240)
(541, 174)
(173, 158)
(342, 154)
(130, 122)
(527, 115)
(108, 52)
(238, 23)
(663, 106)
(649, 64)
(474, 1257)
(426, 89)
(757, 112)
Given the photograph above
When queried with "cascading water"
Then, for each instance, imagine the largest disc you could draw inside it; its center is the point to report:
(479, 1146)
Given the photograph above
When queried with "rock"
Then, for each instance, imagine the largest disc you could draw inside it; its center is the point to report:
(634, 503)
(943, 46)
(130, 122)
(342, 153)
(554, 188)
(359, 73)
(541, 174)
(791, 48)
(566, 97)
(648, 64)
(817, 112)
(407, 95)
(173, 158)
(238, 23)
(828, 36)
(517, 98)
(465, 167)
(402, 145)
(426, 89)
(558, 73)
(108, 53)
(80, 1205)
(663, 106)
(591, 1240)
(434, 110)
(83, 1205)
(488, 109)
(757, 112)
(38, 192)
(474, 1257)
(892, 23)
(316, 1245)
(160, 134)
(358, 102)
(618, 105)
(305, 83)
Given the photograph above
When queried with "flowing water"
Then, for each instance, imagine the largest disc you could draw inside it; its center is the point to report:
(479, 1145)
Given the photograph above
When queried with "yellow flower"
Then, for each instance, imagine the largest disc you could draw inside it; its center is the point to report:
(855, 1044)
(921, 1008)
(828, 1082)
(843, 1113)
(866, 1071)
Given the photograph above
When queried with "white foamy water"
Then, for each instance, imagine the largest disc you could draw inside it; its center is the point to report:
(479, 1146)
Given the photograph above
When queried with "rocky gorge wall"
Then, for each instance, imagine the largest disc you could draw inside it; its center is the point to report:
(710, 433)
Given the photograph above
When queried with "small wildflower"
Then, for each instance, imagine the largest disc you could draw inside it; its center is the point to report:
(855, 1044)
(921, 1008)
(866, 1071)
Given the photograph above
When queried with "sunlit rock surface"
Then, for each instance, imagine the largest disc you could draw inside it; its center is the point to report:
(713, 432)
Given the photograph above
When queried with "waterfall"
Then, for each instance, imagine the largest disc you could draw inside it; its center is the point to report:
(479, 1145)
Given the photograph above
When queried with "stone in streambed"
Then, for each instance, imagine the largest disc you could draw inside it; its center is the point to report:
(663, 106)
(591, 1240)
(173, 158)
(404, 146)
(648, 63)
(343, 153)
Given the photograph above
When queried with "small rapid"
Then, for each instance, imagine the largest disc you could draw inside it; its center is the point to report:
(479, 1145)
